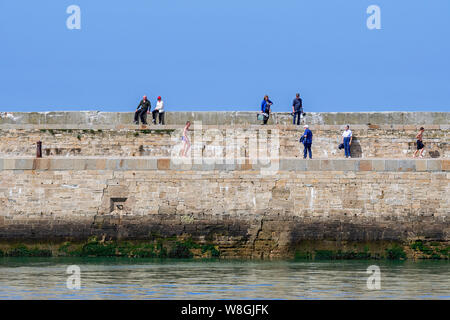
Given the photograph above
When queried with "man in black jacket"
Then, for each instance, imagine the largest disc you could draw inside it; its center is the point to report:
(297, 108)
(142, 110)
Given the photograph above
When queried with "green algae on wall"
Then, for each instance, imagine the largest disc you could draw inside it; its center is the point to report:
(430, 250)
(396, 251)
(187, 248)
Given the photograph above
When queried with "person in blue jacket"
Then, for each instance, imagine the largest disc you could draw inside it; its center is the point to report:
(307, 142)
(265, 108)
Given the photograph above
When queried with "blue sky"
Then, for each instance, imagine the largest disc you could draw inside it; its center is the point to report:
(225, 55)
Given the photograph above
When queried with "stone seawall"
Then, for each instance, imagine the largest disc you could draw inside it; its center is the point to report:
(245, 193)
(239, 208)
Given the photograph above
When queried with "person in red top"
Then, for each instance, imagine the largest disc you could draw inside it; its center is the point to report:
(159, 111)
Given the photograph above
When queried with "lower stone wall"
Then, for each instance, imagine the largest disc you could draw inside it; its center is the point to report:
(368, 141)
(245, 212)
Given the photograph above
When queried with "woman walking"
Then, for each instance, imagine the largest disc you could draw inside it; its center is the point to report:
(420, 145)
(185, 139)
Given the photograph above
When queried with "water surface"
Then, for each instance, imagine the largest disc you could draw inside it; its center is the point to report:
(116, 278)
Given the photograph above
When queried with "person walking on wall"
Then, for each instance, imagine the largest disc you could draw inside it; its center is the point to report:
(307, 141)
(420, 145)
(297, 108)
(142, 110)
(159, 111)
(347, 140)
(265, 108)
(185, 139)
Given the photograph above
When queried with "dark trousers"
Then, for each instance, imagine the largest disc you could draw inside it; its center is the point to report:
(266, 119)
(297, 115)
(156, 113)
(347, 146)
(142, 114)
(306, 149)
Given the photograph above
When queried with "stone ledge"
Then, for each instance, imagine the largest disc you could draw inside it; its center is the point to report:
(208, 164)
(227, 118)
(62, 128)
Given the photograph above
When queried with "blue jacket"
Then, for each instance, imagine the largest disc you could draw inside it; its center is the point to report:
(263, 105)
(308, 134)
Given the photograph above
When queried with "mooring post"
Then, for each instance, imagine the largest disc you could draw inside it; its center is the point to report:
(39, 149)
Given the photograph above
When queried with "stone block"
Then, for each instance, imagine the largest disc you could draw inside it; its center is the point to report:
(406, 165)
(365, 165)
(345, 164)
(163, 164)
(100, 164)
(226, 166)
(421, 165)
(378, 165)
(391, 165)
(246, 166)
(313, 165)
(117, 191)
(445, 165)
(434, 165)
(61, 164)
(23, 164)
(175, 164)
(146, 164)
(42, 164)
(292, 164)
(327, 165)
(111, 164)
(206, 165)
(9, 164)
(90, 164)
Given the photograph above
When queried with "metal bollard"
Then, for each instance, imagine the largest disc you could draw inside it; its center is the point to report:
(39, 149)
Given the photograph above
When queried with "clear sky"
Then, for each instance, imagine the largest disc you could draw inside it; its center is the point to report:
(225, 55)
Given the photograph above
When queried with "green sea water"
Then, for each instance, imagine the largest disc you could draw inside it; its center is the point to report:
(119, 278)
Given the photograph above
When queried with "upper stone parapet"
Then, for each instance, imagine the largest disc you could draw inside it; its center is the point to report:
(226, 118)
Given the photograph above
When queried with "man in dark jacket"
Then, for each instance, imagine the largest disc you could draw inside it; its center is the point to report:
(297, 108)
(142, 110)
(307, 142)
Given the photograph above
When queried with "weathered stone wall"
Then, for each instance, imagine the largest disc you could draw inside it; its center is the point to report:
(101, 176)
(374, 141)
(238, 207)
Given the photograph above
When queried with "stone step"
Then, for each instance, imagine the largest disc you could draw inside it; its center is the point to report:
(271, 166)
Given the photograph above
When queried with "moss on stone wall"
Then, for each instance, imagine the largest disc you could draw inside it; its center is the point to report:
(186, 248)
(157, 247)
(394, 251)
(430, 250)
(22, 250)
(336, 255)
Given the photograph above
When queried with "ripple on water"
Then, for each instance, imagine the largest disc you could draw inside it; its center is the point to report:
(135, 279)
